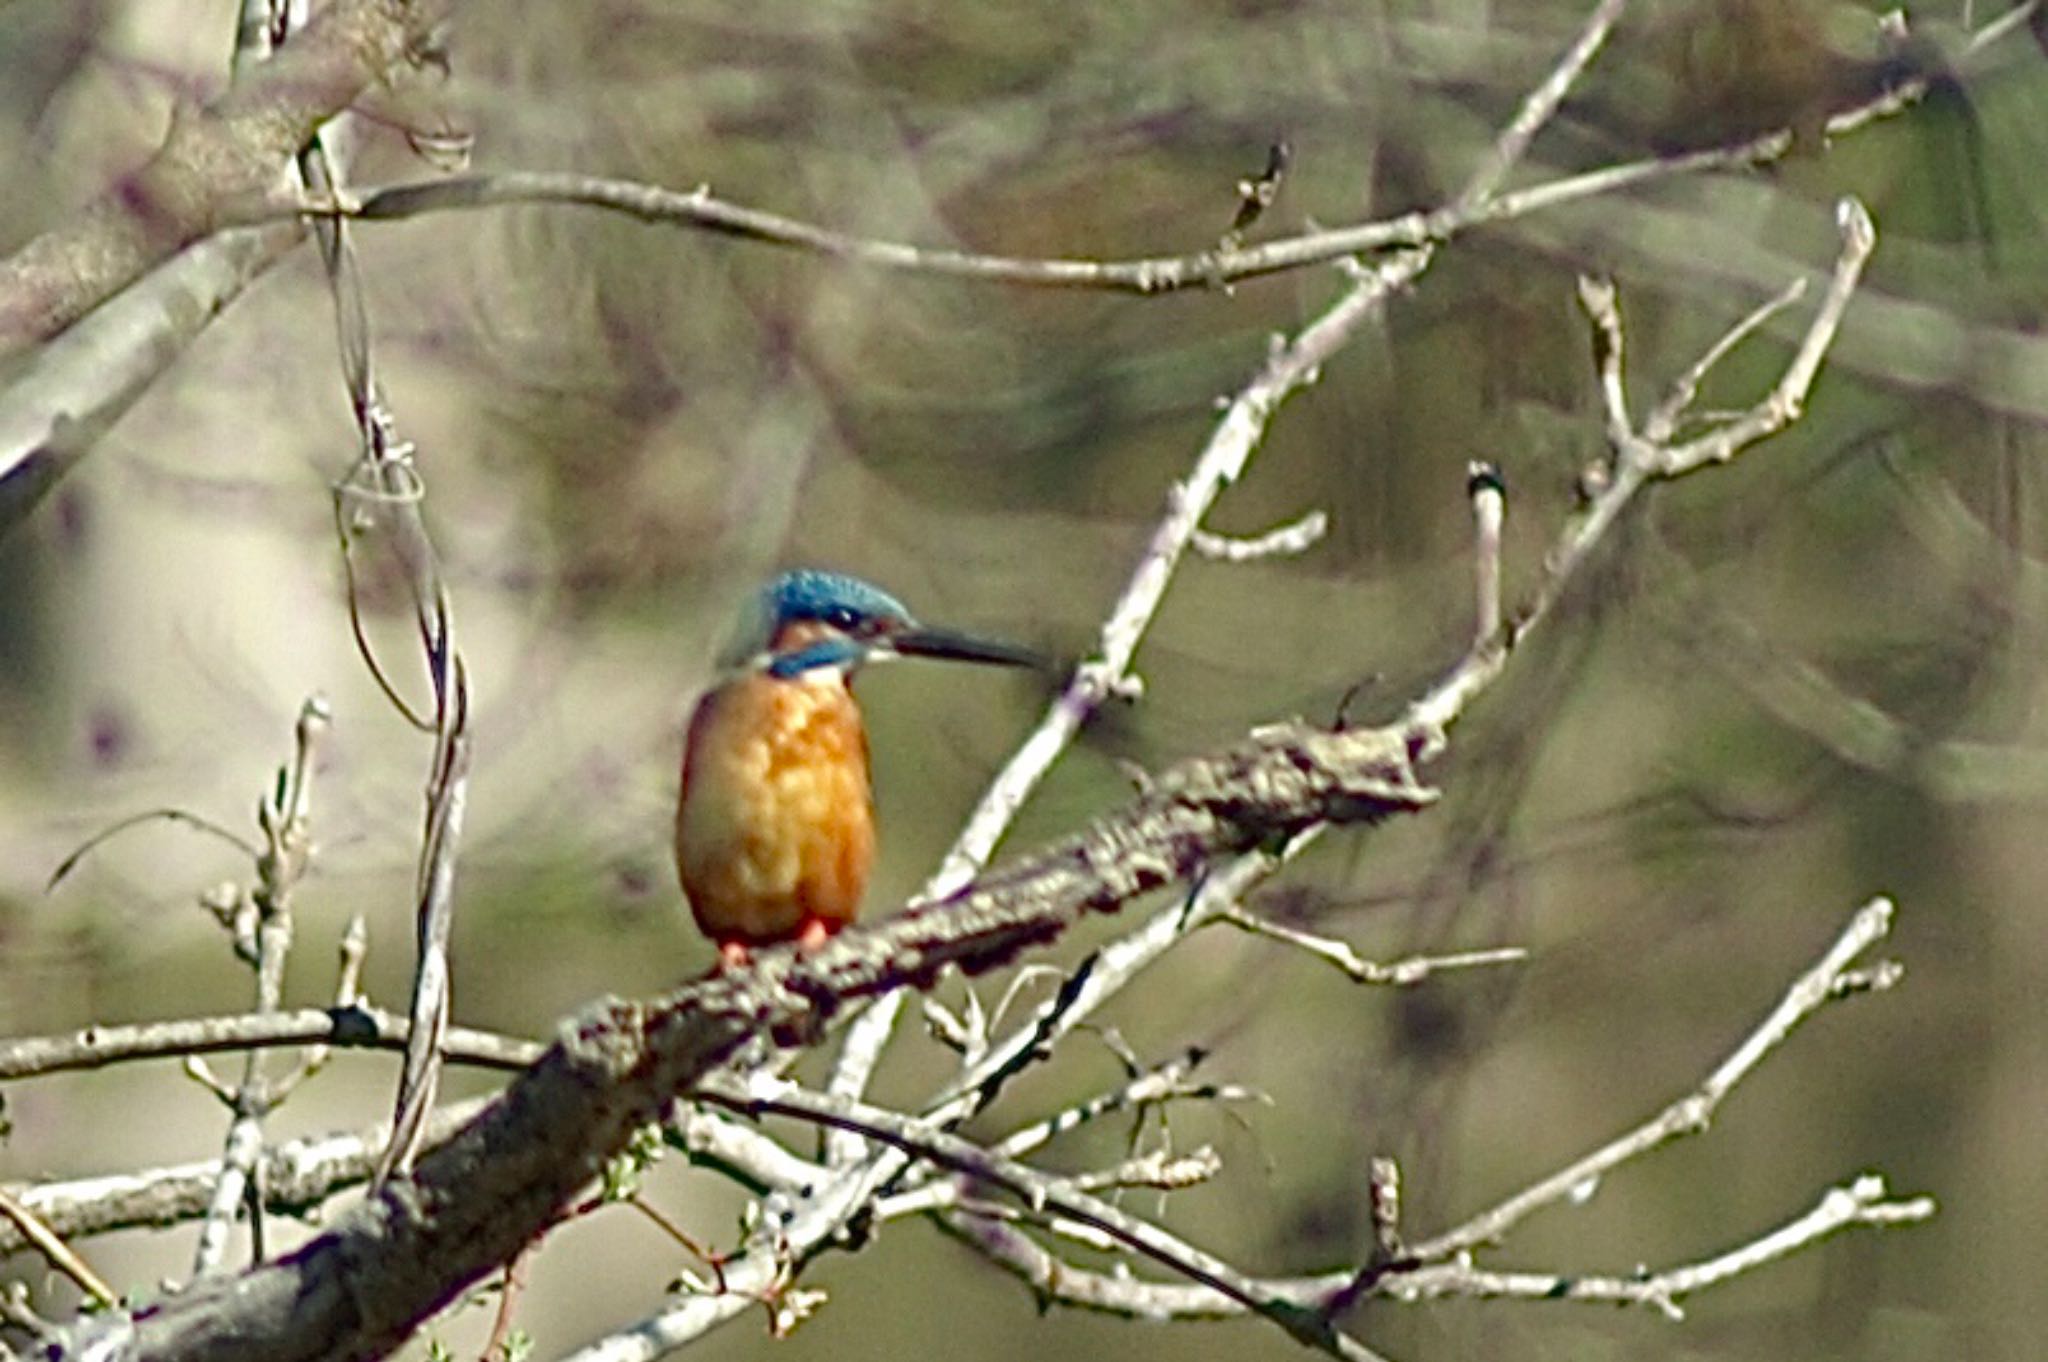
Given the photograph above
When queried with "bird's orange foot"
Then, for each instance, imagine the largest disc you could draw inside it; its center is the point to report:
(815, 933)
(732, 955)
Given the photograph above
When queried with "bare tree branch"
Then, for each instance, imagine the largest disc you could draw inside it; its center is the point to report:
(354, 1026)
(473, 1202)
(216, 160)
(55, 411)
(1290, 366)
(1834, 976)
(700, 209)
(295, 1177)
(1403, 973)
(283, 814)
(32, 1231)
(1442, 1266)
(1640, 457)
(1042, 1194)
(1864, 1202)
(1482, 202)
(69, 391)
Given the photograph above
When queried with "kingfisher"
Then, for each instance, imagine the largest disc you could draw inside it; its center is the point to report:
(775, 826)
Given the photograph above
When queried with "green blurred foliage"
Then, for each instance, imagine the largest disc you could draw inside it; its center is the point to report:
(623, 426)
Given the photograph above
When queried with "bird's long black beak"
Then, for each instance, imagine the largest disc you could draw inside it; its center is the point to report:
(950, 646)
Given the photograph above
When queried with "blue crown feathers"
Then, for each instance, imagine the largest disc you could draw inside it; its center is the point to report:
(845, 602)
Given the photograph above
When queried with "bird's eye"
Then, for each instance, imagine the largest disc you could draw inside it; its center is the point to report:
(843, 618)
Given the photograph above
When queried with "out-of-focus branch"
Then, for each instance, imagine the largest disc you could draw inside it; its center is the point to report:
(111, 295)
(1481, 204)
(1804, 697)
(701, 210)
(216, 161)
(69, 392)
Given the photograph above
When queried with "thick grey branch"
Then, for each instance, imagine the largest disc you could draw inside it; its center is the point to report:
(214, 160)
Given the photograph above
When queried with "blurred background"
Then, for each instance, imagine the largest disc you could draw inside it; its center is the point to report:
(1788, 685)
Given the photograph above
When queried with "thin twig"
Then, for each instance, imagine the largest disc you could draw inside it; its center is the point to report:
(191, 820)
(1662, 423)
(283, 816)
(1285, 541)
(1689, 1115)
(355, 940)
(384, 488)
(1402, 973)
(1442, 1266)
(1637, 460)
(1540, 105)
(1229, 263)
(61, 1255)
(1383, 1197)
(509, 1291)
(1862, 1202)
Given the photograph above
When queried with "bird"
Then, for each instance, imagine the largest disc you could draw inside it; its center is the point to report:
(775, 822)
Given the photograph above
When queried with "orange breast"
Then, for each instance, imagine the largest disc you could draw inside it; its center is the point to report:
(775, 826)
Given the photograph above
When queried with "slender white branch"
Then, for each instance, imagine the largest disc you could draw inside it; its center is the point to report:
(1864, 1202)
(1295, 537)
(1483, 484)
(1833, 976)
(1412, 970)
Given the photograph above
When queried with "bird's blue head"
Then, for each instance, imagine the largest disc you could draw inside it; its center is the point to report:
(807, 620)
